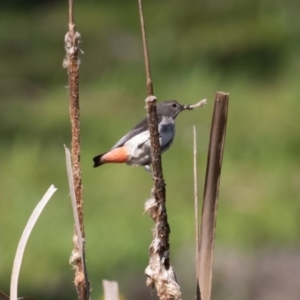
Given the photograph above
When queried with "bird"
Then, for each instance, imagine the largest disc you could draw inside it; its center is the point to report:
(134, 148)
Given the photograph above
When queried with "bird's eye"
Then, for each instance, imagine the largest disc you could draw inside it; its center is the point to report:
(174, 105)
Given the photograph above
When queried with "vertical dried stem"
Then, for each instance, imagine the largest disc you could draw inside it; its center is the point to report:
(196, 213)
(73, 72)
(71, 62)
(146, 54)
(211, 191)
(196, 200)
(71, 16)
(160, 273)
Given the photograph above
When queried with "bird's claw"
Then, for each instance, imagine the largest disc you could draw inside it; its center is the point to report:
(148, 170)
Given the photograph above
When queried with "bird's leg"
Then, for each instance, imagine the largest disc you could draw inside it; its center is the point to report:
(148, 169)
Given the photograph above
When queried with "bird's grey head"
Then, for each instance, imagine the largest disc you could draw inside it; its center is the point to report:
(169, 108)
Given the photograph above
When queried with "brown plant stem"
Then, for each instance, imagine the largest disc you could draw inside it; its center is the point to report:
(160, 273)
(73, 72)
(211, 191)
(146, 53)
(157, 172)
(71, 62)
(159, 184)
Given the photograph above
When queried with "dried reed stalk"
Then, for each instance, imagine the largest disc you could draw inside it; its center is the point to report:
(71, 63)
(160, 272)
(211, 191)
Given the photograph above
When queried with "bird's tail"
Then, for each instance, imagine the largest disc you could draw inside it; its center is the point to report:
(116, 155)
(97, 160)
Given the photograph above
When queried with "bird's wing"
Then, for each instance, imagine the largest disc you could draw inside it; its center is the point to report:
(139, 128)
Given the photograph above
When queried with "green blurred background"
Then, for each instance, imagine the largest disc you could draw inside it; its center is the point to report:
(250, 49)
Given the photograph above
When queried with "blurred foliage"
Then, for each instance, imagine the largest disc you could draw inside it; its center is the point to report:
(247, 48)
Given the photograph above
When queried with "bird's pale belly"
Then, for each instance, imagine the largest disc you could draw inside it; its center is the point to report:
(139, 148)
(140, 154)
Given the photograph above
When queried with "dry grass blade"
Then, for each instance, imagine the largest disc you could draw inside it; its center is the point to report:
(111, 290)
(73, 200)
(211, 191)
(23, 241)
(80, 240)
(4, 296)
(196, 199)
(196, 212)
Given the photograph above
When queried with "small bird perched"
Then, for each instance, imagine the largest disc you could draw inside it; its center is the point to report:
(134, 148)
